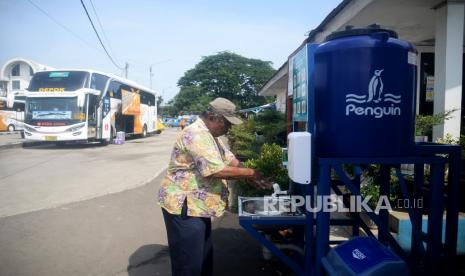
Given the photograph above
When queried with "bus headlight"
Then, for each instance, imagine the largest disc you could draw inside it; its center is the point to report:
(75, 128)
(28, 128)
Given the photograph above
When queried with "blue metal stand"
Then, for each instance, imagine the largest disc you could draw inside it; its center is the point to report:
(440, 197)
(302, 267)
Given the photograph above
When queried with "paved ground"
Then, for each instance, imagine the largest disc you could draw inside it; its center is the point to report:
(90, 210)
(46, 176)
(117, 234)
(10, 138)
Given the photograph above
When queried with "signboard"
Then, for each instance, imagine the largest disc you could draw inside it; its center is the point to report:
(429, 89)
(51, 114)
(58, 74)
(298, 80)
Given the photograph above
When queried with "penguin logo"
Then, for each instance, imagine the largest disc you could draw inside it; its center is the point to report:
(375, 88)
(385, 103)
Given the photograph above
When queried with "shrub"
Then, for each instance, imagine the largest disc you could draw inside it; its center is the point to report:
(269, 163)
(371, 185)
(424, 123)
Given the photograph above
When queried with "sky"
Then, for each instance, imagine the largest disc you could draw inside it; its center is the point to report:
(171, 36)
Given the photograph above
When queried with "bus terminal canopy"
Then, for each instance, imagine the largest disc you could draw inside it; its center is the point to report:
(413, 20)
(433, 26)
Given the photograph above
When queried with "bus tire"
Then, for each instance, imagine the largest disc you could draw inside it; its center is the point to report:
(105, 141)
(144, 131)
(11, 127)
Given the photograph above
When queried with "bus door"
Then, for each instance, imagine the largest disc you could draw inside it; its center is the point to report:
(153, 119)
(147, 110)
(92, 116)
(150, 118)
(105, 116)
(131, 111)
(148, 115)
(19, 114)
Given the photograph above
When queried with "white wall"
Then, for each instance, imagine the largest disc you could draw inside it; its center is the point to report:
(448, 67)
(24, 75)
(281, 102)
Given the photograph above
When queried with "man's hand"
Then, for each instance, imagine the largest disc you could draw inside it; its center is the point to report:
(252, 176)
(259, 181)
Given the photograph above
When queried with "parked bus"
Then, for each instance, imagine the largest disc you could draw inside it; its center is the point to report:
(12, 112)
(85, 105)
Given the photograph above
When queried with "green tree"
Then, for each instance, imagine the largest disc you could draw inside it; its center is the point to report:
(190, 99)
(267, 127)
(226, 75)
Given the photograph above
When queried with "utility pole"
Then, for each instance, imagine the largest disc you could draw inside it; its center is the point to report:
(126, 67)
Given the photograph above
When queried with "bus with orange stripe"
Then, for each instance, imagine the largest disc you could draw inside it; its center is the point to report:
(87, 105)
(11, 113)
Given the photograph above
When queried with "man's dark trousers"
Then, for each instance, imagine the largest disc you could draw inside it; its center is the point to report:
(189, 240)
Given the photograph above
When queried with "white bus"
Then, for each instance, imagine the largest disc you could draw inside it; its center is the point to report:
(85, 105)
(12, 111)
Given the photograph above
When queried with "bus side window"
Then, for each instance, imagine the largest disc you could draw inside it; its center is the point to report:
(143, 98)
(147, 98)
(86, 81)
(127, 88)
(98, 82)
(18, 107)
(118, 91)
(114, 90)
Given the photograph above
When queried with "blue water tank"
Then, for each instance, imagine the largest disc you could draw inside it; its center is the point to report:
(365, 83)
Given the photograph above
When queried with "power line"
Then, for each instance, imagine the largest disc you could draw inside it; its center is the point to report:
(101, 27)
(61, 25)
(100, 40)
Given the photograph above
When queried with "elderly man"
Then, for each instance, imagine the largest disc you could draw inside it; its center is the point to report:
(194, 189)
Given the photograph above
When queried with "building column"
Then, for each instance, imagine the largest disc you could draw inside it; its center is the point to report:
(448, 66)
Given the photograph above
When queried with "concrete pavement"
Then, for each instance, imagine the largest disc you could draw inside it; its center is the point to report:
(46, 176)
(10, 139)
(117, 234)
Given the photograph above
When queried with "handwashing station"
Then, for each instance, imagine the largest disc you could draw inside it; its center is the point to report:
(352, 100)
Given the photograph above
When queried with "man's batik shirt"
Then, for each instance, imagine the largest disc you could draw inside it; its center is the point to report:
(195, 157)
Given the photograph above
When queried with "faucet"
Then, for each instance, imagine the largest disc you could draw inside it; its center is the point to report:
(277, 191)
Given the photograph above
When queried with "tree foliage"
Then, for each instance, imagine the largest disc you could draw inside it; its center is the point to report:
(226, 75)
(247, 139)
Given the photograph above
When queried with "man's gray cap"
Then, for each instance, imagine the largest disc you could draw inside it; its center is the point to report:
(226, 108)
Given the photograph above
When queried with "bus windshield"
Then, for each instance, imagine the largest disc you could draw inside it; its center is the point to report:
(58, 81)
(54, 111)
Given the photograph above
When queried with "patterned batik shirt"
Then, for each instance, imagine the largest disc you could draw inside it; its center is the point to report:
(195, 157)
